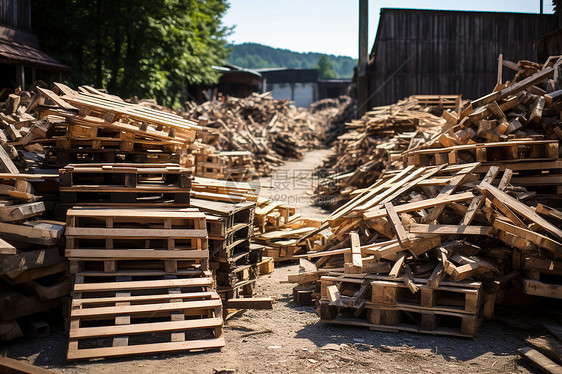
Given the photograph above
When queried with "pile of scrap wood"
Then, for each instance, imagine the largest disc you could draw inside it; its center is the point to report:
(272, 130)
(431, 247)
(428, 249)
(372, 144)
(518, 120)
(278, 227)
(32, 267)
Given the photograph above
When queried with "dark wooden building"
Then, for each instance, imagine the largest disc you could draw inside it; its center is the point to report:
(447, 52)
(234, 81)
(21, 61)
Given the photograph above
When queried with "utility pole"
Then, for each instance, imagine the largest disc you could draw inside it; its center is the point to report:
(362, 84)
(542, 6)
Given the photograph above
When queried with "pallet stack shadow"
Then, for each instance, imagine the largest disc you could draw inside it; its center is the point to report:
(234, 259)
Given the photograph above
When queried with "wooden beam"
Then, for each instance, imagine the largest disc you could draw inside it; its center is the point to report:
(540, 360)
(419, 228)
(11, 366)
(397, 226)
(520, 208)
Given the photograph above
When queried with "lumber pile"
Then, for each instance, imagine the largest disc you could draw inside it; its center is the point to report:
(428, 249)
(372, 144)
(271, 130)
(517, 126)
(433, 244)
(279, 228)
(32, 270)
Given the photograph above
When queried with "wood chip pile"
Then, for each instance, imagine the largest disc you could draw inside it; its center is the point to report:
(432, 246)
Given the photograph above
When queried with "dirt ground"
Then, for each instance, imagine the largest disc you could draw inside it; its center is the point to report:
(292, 340)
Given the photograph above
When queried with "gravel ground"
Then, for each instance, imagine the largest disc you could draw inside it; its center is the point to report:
(298, 342)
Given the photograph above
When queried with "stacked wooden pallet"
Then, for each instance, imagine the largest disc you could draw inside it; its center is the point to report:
(91, 126)
(517, 123)
(141, 282)
(229, 165)
(234, 259)
(125, 184)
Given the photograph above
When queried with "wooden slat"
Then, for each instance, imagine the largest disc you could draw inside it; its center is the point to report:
(140, 328)
(141, 285)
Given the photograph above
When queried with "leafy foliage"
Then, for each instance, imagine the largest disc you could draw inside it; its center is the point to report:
(325, 68)
(148, 48)
(256, 56)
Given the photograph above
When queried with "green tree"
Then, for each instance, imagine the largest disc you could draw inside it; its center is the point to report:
(148, 48)
(325, 68)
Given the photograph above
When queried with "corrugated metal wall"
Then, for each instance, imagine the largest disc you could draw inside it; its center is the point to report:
(448, 52)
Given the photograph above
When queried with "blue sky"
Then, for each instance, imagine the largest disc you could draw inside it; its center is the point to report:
(331, 26)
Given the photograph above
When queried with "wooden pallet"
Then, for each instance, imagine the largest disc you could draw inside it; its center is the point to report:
(142, 176)
(542, 277)
(233, 277)
(116, 236)
(113, 110)
(453, 308)
(511, 151)
(390, 320)
(59, 158)
(129, 317)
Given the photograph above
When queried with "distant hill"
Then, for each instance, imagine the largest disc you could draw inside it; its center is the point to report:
(256, 56)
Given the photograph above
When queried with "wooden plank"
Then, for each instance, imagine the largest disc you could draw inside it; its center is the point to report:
(477, 202)
(515, 88)
(145, 308)
(143, 328)
(397, 226)
(353, 261)
(141, 298)
(6, 248)
(419, 228)
(548, 346)
(146, 348)
(141, 285)
(532, 236)
(140, 254)
(521, 209)
(21, 211)
(36, 232)
(549, 212)
(11, 366)
(537, 288)
(364, 197)
(419, 205)
(24, 260)
(6, 164)
(540, 360)
(94, 232)
(249, 303)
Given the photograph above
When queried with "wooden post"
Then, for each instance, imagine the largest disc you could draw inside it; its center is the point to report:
(500, 68)
(362, 87)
